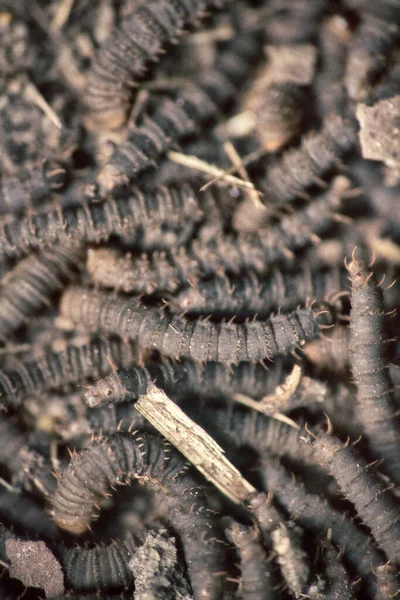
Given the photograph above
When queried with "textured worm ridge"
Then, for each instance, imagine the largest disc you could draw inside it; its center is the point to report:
(200, 340)
(249, 295)
(18, 192)
(374, 503)
(29, 287)
(124, 56)
(123, 456)
(96, 221)
(90, 569)
(56, 369)
(195, 104)
(375, 403)
(302, 167)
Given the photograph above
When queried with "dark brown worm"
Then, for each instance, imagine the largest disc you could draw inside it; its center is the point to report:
(368, 54)
(96, 221)
(99, 568)
(28, 188)
(166, 272)
(374, 503)
(32, 284)
(375, 406)
(199, 340)
(123, 456)
(302, 167)
(75, 364)
(257, 582)
(313, 514)
(251, 295)
(186, 377)
(195, 104)
(338, 585)
(124, 56)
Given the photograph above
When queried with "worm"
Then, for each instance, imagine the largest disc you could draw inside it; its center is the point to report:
(337, 579)
(123, 57)
(375, 406)
(94, 221)
(313, 514)
(257, 581)
(194, 105)
(374, 503)
(251, 295)
(300, 168)
(74, 364)
(31, 285)
(199, 340)
(123, 456)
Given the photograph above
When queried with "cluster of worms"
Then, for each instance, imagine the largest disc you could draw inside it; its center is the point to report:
(202, 196)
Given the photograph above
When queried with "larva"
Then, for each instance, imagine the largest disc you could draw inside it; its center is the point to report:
(368, 54)
(337, 585)
(374, 503)
(167, 271)
(252, 295)
(28, 188)
(300, 168)
(375, 407)
(99, 568)
(124, 55)
(313, 514)
(110, 461)
(256, 577)
(76, 363)
(194, 104)
(32, 284)
(95, 221)
(186, 377)
(199, 340)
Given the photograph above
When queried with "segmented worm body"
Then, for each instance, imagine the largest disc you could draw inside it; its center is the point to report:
(123, 57)
(31, 285)
(75, 364)
(374, 503)
(199, 340)
(375, 406)
(95, 221)
(302, 167)
(123, 456)
(195, 104)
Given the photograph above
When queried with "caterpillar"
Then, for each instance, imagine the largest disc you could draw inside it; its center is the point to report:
(375, 407)
(74, 364)
(256, 577)
(337, 584)
(168, 271)
(99, 568)
(123, 57)
(252, 295)
(185, 377)
(368, 52)
(31, 285)
(199, 340)
(313, 514)
(300, 168)
(95, 221)
(123, 456)
(194, 105)
(29, 187)
(374, 503)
